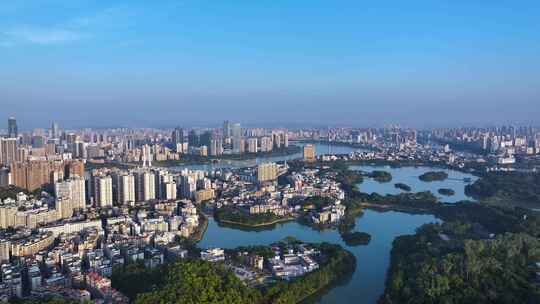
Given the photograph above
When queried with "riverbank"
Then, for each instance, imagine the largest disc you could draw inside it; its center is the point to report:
(162, 284)
(460, 263)
(335, 264)
(339, 144)
(198, 235)
(187, 159)
(260, 225)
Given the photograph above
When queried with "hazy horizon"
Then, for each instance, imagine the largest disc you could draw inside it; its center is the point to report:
(313, 63)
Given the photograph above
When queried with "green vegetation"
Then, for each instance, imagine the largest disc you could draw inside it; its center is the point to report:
(197, 281)
(339, 263)
(11, 192)
(432, 176)
(236, 216)
(403, 186)
(317, 202)
(418, 200)
(133, 279)
(380, 176)
(451, 263)
(507, 189)
(356, 238)
(446, 191)
(47, 301)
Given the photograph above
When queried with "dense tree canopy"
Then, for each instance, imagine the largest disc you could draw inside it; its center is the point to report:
(443, 264)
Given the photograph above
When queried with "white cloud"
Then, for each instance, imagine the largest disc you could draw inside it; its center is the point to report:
(70, 30)
(36, 35)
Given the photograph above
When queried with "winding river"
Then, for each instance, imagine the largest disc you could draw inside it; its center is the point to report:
(367, 283)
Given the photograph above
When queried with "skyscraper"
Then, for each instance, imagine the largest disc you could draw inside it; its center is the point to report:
(252, 145)
(236, 133)
(12, 128)
(309, 153)
(177, 138)
(193, 139)
(125, 188)
(145, 185)
(103, 191)
(8, 150)
(266, 172)
(205, 139)
(74, 189)
(226, 129)
(55, 131)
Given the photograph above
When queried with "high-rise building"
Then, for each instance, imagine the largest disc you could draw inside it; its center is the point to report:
(125, 188)
(309, 153)
(147, 156)
(236, 133)
(162, 177)
(12, 128)
(169, 192)
(177, 138)
(193, 139)
(145, 185)
(64, 207)
(31, 175)
(227, 129)
(276, 138)
(103, 191)
(8, 151)
(216, 146)
(267, 172)
(5, 177)
(188, 186)
(266, 144)
(205, 139)
(252, 145)
(74, 189)
(55, 131)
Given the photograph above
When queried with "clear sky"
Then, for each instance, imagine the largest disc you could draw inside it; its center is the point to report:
(197, 62)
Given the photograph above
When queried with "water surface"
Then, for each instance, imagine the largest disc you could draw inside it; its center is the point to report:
(367, 282)
(409, 176)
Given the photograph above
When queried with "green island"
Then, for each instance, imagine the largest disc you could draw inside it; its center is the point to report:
(380, 176)
(446, 191)
(460, 262)
(235, 216)
(433, 176)
(403, 186)
(197, 281)
(356, 238)
(504, 188)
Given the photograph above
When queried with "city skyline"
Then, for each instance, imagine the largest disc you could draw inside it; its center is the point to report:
(120, 63)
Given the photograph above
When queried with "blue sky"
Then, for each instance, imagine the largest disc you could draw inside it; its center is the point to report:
(348, 63)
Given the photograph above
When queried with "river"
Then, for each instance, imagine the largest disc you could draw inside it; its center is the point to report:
(367, 282)
(409, 176)
(320, 149)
